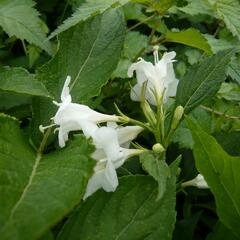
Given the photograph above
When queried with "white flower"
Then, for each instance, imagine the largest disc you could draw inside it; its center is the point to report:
(160, 78)
(110, 155)
(198, 182)
(72, 116)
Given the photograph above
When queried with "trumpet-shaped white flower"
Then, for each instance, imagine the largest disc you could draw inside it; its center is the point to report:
(72, 116)
(198, 182)
(110, 155)
(160, 78)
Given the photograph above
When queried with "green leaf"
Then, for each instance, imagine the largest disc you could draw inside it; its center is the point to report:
(220, 232)
(38, 190)
(87, 10)
(218, 44)
(190, 37)
(89, 53)
(202, 81)
(19, 80)
(158, 169)
(130, 213)
(19, 18)
(221, 171)
(228, 11)
(197, 7)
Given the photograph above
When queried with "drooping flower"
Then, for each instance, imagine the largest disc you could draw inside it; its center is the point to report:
(72, 116)
(160, 77)
(198, 182)
(110, 155)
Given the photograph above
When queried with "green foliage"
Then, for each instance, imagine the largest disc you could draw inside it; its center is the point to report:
(87, 10)
(202, 81)
(131, 212)
(220, 232)
(190, 37)
(197, 7)
(228, 11)
(19, 18)
(38, 190)
(19, 80)
(158, 169)
(221, 173)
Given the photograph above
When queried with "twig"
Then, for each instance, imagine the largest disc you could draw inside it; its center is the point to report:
(219, 113)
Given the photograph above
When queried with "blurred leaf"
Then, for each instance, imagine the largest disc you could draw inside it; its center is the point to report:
(133, 44)
(86, 11)
(234, 70)
(202, 81)
(221, 171)
(19, 18)
(220, 232)
(229, 91)
(38, 190)
(190, 37)
(130, 213)
(19, 80)
(184, 229)
(218, 44)
(228, 11)
(196, 7)
(158, 169)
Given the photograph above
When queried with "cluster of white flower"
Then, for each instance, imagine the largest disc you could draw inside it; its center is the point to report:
(160, 78)
(112, 141)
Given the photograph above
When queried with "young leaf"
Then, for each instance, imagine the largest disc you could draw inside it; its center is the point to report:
(190, 37)
(19, 18)
(87, 10)
(202, 81)
(89, 53)
(38, 190)
(19, 80)
(130, 213)
(228, 11)
(158, 169)
(221, 171)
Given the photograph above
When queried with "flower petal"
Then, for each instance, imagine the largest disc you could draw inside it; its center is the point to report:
(106, 138)
(128, 133)
(65, 95)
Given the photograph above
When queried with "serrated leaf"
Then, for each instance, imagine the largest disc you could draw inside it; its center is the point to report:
(228, 11)
(158, 169)
(19, 18)
(196, 7)
(38, 190)
(202, 81)
(89, 53)
(130, 213)
(19, 80)
(190, 37)
(221, 171)
(218, 44)
(87, 10)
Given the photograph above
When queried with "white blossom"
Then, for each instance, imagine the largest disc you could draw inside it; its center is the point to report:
(198, 182)
(110, 155)
(160, 77)
(72, 116)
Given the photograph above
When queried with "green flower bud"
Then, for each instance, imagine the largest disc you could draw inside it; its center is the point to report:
(158, 148)
(177, 116)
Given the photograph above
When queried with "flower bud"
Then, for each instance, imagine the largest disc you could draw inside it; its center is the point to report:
(158, 148)
(177, 116)
(148, 112)
(198, 182)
